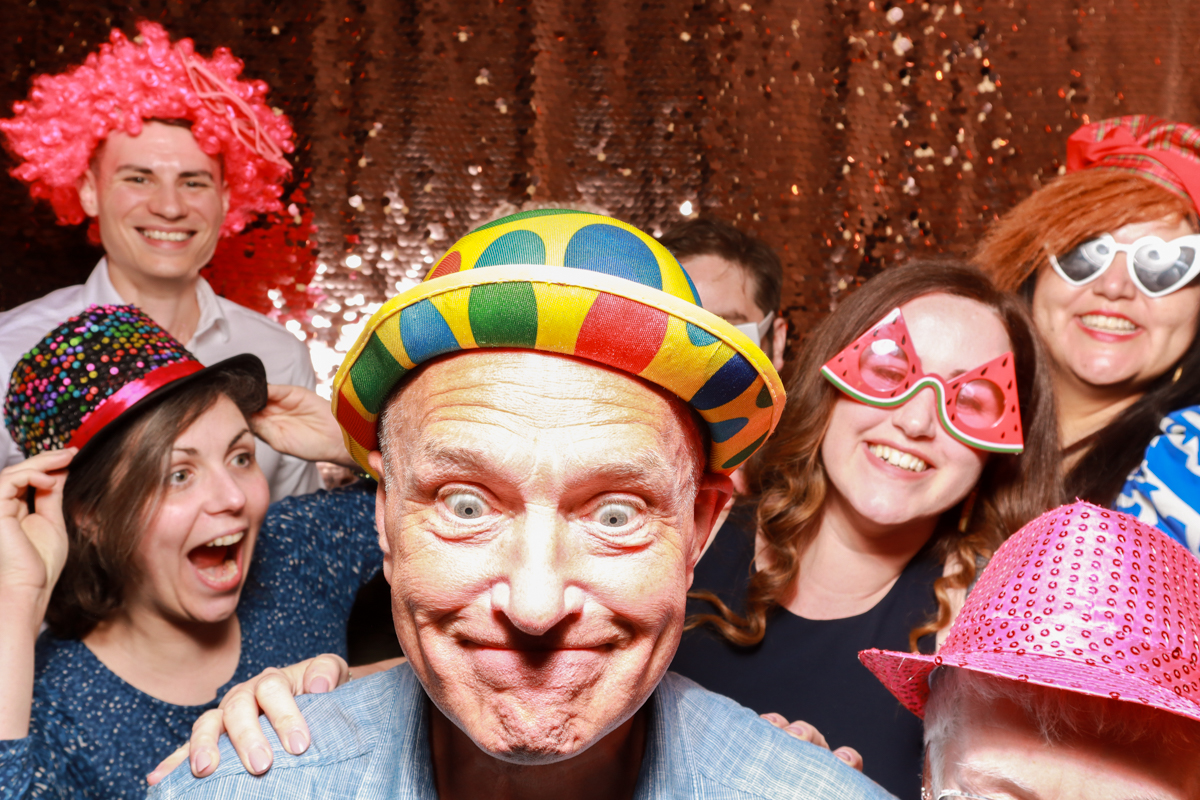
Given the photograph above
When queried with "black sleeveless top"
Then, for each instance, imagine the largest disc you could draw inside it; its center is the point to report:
(808, 669)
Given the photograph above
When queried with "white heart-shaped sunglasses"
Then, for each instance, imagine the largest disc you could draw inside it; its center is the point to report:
(1156, 267)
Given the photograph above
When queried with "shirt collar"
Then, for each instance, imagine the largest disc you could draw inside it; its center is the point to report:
(402, 764)
(667, 769)
(212, 319)
(99, 291)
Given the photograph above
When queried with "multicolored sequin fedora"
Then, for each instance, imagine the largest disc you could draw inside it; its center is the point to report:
(576, 284)
(95, 368)
(1082, 599)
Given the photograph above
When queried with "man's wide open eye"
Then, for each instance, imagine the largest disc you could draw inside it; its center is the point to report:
(615, 515)
(467, 506)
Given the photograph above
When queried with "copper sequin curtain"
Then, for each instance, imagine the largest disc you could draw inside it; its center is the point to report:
(849, 134)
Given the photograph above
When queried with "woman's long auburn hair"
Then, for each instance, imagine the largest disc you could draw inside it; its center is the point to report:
(791, 481)
(1016, 251)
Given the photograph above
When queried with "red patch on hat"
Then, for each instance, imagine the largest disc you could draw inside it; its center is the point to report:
(621, 333)
(452, 262)
(360, 430)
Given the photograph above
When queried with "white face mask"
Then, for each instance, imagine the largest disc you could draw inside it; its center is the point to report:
(755, 331)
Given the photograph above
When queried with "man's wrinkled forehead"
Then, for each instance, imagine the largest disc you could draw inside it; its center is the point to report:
(485, 406)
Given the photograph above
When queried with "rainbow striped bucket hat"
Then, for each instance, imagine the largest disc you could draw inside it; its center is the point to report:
(576, 284)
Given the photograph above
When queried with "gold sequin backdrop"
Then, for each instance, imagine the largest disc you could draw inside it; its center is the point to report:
(847, 134)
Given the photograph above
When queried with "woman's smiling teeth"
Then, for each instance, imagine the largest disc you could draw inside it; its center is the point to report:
(166, 236)
(897, 458)
(1105, 322)
(225, 541)
(217, 561)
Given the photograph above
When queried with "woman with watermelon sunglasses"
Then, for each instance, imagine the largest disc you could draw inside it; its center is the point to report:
(919, 432)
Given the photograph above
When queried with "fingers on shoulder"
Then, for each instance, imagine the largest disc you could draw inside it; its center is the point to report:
(325, 672)
(851, 756)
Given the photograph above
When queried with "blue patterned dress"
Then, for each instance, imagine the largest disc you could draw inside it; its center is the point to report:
(92, 735)
(1165, 490)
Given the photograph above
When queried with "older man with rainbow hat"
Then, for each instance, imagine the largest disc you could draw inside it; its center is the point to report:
(553, 417)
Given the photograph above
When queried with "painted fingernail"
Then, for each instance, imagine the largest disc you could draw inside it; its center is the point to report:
(201, 761)
(843, 756)
(297, 742)
(260, 760)
(319, 685)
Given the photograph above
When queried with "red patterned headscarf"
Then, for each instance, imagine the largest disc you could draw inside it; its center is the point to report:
(1167, 153)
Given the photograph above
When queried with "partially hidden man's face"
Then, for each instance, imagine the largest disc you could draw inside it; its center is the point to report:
(728, 290)
(998, 754)
(540, 526)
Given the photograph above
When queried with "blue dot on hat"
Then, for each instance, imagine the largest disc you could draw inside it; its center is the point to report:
(613, 251)
(726, 429)
(699, 337)
(425, 333)
(514, 247)
(733, 378)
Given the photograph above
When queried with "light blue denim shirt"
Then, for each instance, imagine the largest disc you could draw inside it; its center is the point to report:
(370, 740)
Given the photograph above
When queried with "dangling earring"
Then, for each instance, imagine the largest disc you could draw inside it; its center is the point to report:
(1178, 372)
(964, 521)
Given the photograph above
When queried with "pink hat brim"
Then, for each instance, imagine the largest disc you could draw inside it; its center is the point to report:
(906, 675)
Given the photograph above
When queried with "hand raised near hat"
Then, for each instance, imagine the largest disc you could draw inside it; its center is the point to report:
(299, 422)
(272, 693)
(33, 545)
(33, 549)
(807, 733)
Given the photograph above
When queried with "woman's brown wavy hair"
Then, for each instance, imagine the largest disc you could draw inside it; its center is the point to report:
(790, 479)
(1016, 252)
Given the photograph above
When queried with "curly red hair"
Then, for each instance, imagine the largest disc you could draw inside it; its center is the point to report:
(55, 131)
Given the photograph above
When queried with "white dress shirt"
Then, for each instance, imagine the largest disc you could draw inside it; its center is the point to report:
(225, 329)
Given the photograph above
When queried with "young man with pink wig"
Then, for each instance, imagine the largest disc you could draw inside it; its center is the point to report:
(165, 152)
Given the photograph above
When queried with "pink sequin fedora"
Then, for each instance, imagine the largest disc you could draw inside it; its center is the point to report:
(1082, 599)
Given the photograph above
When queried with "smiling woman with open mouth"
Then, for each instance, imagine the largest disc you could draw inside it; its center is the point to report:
(151, 553)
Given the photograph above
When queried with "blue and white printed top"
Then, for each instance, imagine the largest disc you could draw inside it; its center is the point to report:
(1165, 490)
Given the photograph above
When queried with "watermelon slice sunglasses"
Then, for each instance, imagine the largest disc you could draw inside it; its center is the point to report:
(978, 408)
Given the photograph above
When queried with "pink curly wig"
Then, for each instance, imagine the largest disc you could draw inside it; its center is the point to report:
(55, 131)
